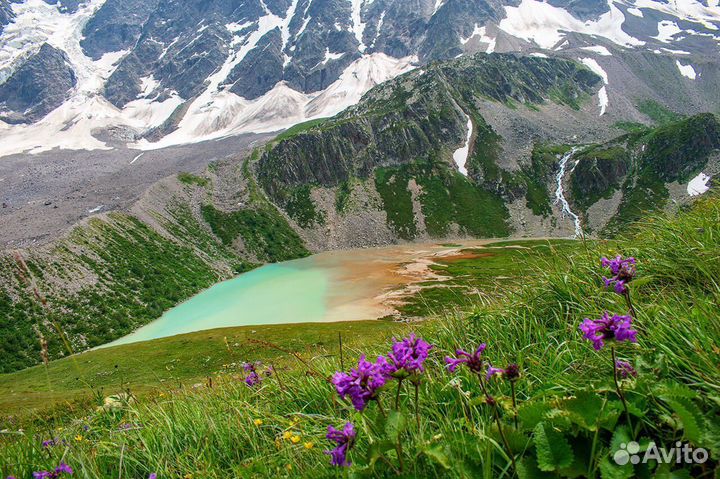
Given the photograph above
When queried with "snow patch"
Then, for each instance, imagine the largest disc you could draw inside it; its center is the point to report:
(546, 25)
(481, 32)
(461, 154)
(225, 114)
(358, 27)
(667, 30)
(699, 185)
(686, 70)
(635, 11)
(603, 99)
(600, 50)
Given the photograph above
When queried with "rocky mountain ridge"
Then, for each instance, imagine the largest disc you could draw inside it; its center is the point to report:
(169, 72)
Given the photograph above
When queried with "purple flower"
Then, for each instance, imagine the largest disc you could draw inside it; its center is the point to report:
(152, 476)
(251, 367)
(491, 372)
(623, 271)
(49, 443)
(345, 440)
(253, 379)
(511, 372)
(63, 468)
(625, 369)
(407, 356)
(362, 383)
(616, 328)
(59, 471)
(473, 361)
(11, 477)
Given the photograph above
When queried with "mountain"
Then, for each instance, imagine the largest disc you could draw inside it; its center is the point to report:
(156, 73)
(473, 147)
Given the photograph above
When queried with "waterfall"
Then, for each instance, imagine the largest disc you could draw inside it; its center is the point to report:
(560, 193)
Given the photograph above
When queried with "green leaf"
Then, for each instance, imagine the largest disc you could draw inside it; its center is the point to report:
(395, 425)
(377, 450)
(438, 454)
(664, 472)
(610, 470)
(528, 469)
(585, 409)
(553, 449)
(620, 436)
(689, 415)
(531, 413)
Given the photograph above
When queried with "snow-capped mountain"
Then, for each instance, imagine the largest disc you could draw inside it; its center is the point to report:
(156, 73)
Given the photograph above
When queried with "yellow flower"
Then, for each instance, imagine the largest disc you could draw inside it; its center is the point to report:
(287, 435)
(188, 476)
(258, 422)
(288, 467)
(309, 445)
(295, 439)
(79, 438)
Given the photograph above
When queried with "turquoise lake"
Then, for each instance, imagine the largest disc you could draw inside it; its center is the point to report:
(332, 286)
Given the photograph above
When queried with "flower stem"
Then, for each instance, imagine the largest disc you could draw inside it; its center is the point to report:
(630, 305)
(499, 424)
(504, 439)
(417, 410)
(397, 395)
(619, 391)
(514, 403)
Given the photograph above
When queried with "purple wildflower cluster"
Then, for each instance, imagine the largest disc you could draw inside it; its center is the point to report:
(253, 377)
(363, 383)
(408, 356)
(608, 328)
(58, 472)
(474, 361)
(623, 271)
(345, 439)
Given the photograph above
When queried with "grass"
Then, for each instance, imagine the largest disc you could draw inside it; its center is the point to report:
(481, 275)
(172, 362)
(263, 230)
(190, 179)
(570, 419)
(446, 198)
(657, 112)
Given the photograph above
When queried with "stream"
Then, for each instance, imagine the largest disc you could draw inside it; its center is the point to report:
(560, 193)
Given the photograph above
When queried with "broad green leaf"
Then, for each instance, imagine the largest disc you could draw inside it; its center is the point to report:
(528, 469)
(377, 450)
(439, 455)
(585, 409)
(395, 425)
(610, 470)
(664, 472)
(619, 437)
(553, 449)
(689, 415)
(531, 413)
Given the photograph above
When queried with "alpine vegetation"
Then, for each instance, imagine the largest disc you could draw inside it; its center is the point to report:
(557, 378)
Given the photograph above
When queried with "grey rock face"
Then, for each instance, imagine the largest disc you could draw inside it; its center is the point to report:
(6, 14)
(582, 9)
(66, 6)
(39, 86)
(261, 69)
(117, 25)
